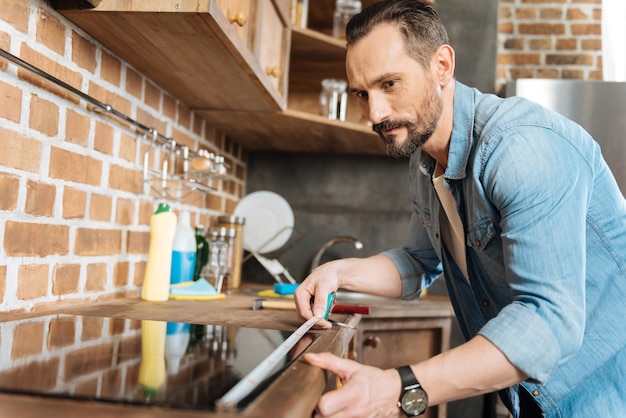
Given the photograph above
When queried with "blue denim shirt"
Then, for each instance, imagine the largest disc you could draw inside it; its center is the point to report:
(545, 235)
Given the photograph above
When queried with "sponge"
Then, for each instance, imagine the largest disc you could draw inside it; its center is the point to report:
(198, 290)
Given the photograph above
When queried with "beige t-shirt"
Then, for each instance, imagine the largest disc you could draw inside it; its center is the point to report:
(450, 222)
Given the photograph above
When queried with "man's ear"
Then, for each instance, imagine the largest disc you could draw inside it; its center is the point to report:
(444, 61)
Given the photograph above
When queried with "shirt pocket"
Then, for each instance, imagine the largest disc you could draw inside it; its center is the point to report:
(483, 239)
(423, 216)
(425, 220)
(480, 233)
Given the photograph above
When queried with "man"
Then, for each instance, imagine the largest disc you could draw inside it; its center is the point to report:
(516, 206)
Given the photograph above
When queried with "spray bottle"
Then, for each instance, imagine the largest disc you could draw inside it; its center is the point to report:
(183, 251)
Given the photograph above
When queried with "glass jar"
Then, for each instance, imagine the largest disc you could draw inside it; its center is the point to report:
(344, 10)
(333, 99)
(219, 266)
(236, 223)
(227, 235)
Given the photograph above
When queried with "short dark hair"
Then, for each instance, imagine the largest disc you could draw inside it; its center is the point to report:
(419, 23)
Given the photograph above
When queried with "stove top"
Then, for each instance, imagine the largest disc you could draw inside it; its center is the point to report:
(171, 364)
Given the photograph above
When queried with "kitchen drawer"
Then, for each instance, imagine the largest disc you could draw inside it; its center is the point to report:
(387, 342)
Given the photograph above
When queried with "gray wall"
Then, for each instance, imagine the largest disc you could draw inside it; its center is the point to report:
(473, 31)
(363, 197)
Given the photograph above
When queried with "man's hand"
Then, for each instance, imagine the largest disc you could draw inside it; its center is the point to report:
(320, 283)
(366, 392)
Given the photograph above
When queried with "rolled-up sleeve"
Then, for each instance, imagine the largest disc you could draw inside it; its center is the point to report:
(536, 360)
(417, 262)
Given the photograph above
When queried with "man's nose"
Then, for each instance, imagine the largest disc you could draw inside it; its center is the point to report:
(378, 109)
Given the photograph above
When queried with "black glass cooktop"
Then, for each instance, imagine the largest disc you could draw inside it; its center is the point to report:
(177, 365)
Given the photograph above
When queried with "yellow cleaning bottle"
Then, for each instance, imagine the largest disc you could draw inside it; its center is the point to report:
(156, 281)
(152, 366)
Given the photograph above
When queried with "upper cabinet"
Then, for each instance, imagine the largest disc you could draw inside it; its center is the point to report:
(202, 52)
(238, 63)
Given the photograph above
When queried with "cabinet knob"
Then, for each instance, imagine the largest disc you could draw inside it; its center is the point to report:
(371, 342)
(273, 71)
(238, 18)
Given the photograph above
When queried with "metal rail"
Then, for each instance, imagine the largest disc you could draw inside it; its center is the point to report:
(98, 105)
(184, 183)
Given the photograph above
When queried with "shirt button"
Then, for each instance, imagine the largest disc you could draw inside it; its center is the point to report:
(485, 303)
(478, 244)
(535, 393)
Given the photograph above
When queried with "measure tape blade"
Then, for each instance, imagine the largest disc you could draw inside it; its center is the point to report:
(246, 385)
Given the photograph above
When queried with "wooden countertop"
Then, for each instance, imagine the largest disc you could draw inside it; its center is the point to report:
(293, 393)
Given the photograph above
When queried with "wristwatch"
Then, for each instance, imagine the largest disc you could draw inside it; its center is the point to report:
(413, 400)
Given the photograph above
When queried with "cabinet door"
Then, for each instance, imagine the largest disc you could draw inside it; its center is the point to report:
(262, 27)
(240, 14)
(272, 42)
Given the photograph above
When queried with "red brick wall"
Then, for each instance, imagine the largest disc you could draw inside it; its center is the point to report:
(549, 39)
(75, 214)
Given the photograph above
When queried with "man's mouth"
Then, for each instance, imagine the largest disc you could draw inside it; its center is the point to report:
(386, 128)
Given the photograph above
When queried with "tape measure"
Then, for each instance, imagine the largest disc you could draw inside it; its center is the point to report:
(253, 379)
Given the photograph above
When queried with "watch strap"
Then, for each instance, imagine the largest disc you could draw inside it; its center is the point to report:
(407, 377)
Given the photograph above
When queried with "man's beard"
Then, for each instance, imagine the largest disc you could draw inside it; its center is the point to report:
(418, 131)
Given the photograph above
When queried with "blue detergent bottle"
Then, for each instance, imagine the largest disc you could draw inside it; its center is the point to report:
(183, 251)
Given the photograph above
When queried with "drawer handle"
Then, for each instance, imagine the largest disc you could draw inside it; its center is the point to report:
(238, 18)
(371, 342)
(273, 71)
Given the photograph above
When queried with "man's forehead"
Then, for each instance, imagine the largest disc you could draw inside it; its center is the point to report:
(379, 54)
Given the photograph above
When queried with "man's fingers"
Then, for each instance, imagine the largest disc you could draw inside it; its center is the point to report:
(327, 361)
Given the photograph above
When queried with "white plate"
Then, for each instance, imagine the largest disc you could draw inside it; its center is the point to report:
(269, 221)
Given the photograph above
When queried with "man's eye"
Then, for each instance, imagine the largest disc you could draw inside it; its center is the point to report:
(389, 84)
(362, 95)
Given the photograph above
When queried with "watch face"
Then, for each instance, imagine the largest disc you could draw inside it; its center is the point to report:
(414, 402)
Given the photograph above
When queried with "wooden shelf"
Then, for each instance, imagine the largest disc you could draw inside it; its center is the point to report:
(295, 131)
(314, 57)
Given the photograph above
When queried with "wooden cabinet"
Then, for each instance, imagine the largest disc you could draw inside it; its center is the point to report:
(209, 54)
(405, 333)
(231, 61)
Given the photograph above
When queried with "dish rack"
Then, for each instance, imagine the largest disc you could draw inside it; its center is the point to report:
(272, 265)
(181, 172)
